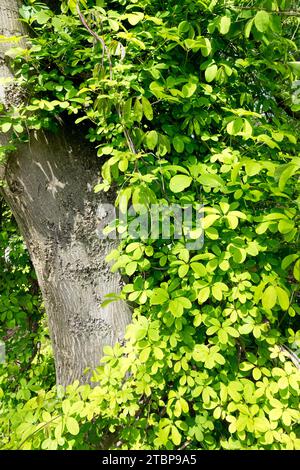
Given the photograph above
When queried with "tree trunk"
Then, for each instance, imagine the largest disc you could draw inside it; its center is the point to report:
(49, 187)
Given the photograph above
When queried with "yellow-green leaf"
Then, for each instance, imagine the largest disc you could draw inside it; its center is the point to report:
(283, 298)
(72, 426)
(211, 72)
(147, 108)
(179, 183)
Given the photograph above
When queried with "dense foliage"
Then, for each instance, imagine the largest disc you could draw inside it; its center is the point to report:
(186, 102)
(28, 365)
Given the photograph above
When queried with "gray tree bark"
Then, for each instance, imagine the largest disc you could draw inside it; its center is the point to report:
(48, 184)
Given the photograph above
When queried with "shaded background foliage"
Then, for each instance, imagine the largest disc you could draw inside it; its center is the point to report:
(28, 364)
(185, 102)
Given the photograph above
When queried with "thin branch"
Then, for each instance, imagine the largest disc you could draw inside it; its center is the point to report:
(126, 133)
(105, 50)
(184, 446)
(98, 38)
(39, 429)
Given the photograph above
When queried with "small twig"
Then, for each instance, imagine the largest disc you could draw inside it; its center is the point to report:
(184, 446)
(286, 312)
(105, 49)
(39, 429)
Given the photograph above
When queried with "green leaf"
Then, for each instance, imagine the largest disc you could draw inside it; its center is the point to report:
(286, 174)
(135, 18)
(175, 436)
(275, 23)
(72, 426)
(283, 298)
(183, 27)
(186, 303)
(269, 297)
(199, 269)
(200, 353)
(164, 434)
(232, 332)
(212, 181)
(212, 233)
(232, 220)
(225, 22)
(18, 128)
(127, 109)
(248, 27)
(131, 268)
(267, 140)
(261, 424)
(209, 220)
(242, 422)
(189, 89)
(176, 308)
(203, 295)
(6, 126)
(288, 260)
(256, 373)
(179, 183)
(183, 270)
(205, 47)
(217, 293)
(252, 167)
(239, 254)
(275, 414)
(142, 197)
(159, 296)
(235, 126)
(296, 270)
(140, 329)
(222, 336)
(219, 359)
(113, 24)
(144, 354)
(211, 73)
(151, 140)
(178, 144)
(285, 226)
(246, 328)
(283, 383)
(164, 145)
(42, 17)
(178, 305)
(123, 165)
(286, 418)
(262, 20)
(14, 52)
(138, 110)
(123, 199)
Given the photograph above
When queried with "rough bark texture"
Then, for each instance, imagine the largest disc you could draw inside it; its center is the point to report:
(49, 187)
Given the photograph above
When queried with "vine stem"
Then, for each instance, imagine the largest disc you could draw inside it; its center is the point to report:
(98, 38)
(39, 429)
